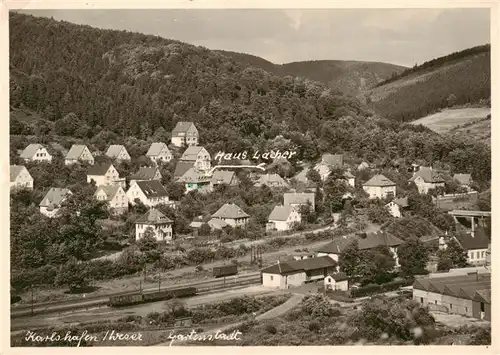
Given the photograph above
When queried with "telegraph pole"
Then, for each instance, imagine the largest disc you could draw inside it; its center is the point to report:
(159, 280)
(32, 301)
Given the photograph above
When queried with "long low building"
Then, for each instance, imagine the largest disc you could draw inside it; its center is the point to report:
(298, 272)
(468, 295)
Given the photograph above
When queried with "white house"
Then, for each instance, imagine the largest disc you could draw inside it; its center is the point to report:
(224, 177)
(379, 187)
(185, 133)
(52, 201)
(396, 206)
(115, 196)
(351, 180)
(476, 245)
(146, 173)
(232, 214)
(150, 193)
(334, 248)
(118, 152)
(271, 180)
(79, 152)
(159, 152)
(328, 161)
(282, 218)
(36, 152)
(195, 179)
(103, 174)
(292, 273)
(372, 240)
(199, 156)
(297, 199)
(337, 282)
(426, 179)
(20, 177)
(159, 224)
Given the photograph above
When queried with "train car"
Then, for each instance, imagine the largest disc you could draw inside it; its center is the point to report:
(137, 298)
(125, 300)
(226, 270)
(185, 292)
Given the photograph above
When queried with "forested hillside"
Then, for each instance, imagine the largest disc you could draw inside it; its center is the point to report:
(349, 77)
(117, 85)
(457, 79)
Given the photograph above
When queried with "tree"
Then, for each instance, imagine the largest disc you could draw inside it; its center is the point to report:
(451, 100)
(376, 264)
(74, 274)
(349, 259)
(149, 245)
(205, 229)
(413, 257)
(378, 214)
(456, 253)
(313, 176)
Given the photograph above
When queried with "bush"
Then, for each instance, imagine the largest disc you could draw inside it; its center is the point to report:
(271, 329)
(371, 289)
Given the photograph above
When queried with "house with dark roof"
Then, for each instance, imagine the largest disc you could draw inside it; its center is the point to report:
(195, 179)
(115, 196)
(217, 223)
(118, 152)
(379, 187)
(397, 206)
(468, 295)
(159, 152)
(465, 180)
(475, 243)
(297, 272)
(182, 167)
(232, 214)
(104, 174)
(224, 177)
(150, 193)
(51, 203)
(36, 152)
(328, 161)
(147, 173)
(297, 199)
(79, 152)
(185, 133)
(20, 177)
(283, 218)
(155, 222)
(197, 155)
(334, 248)
(271, 180)
(427, 179)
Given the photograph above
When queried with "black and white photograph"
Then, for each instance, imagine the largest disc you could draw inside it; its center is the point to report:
(249, 177)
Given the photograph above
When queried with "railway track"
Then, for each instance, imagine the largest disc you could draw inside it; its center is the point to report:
(206, 286)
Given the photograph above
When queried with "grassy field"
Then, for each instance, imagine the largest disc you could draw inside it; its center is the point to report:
(449, 120)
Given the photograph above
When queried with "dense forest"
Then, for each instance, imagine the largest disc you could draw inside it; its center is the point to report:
(123, 86)
(457, 79)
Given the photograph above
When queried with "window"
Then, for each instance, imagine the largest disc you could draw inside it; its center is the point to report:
(477, 255)
(482, 254)
(435, 302)
(482, 307)
(271, 277)
(471, 255)
(451, 306)
(421, 300)
(465, 309)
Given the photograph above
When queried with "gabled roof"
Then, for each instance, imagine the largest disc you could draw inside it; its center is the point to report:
(182, 167)
(308, 264)
(15, 170)
(302, 175)
(333, 159)
(54, 197)
(231, 211)
(30, 150)
(156, 149)
(109, 190)
(379, 180)
(114, 150)
(339, 276)
(99, 169)
(464, 179)
(194, 175)
(281, 213)
(376, 239)
(428, 175)
(191, 153)
(402, 202)
(336, 246)
(217, 223)
(483, 296)
(348, 175)
(458, 286)
(152, 188)
(295, 198)
(181, 127)
(270, 180)
(479, 241)
(153, 216)
(75, 151)
(222, 177)
(144, 173)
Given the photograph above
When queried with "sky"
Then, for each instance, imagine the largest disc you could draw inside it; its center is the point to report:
(398, 36)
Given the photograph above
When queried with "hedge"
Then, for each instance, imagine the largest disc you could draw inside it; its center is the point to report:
(371, 289)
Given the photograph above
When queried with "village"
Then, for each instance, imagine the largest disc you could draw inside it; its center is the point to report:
(194, 170)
